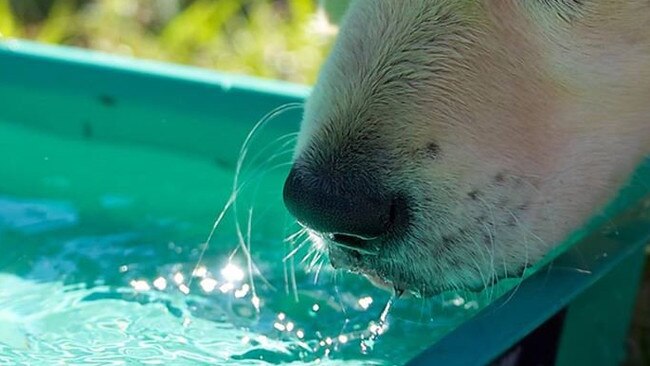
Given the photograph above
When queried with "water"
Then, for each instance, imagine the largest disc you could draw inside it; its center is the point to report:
(99, 250)
(84, 295)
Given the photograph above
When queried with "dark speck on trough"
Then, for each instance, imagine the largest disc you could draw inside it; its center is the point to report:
(87, 130)
(107, 100)
(222, 163)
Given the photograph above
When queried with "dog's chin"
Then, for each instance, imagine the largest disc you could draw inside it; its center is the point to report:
(349, 260)
(403, 290)
(380, 282)
(353, 261)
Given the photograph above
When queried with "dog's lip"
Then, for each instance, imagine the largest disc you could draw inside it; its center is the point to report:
(379, 282)
(385, 284)
(384, 281)
(351, 259)
(369, 248)
(354, 265)
(363, 251)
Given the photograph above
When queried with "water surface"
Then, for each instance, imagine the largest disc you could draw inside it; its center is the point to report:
(100, 244)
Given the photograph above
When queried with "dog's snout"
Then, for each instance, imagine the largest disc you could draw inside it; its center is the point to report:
(351, 209)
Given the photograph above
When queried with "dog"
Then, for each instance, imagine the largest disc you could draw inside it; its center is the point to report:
(447, 144)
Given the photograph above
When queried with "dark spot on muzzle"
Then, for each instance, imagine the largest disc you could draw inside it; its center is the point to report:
(433, 150)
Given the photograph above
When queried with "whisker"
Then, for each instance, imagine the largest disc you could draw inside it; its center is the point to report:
(233, 253)
(307, 256)
(290, 137)
(315, 260)
(484, 280)
(259, 177)
(338, 294)
(526, 245)
(246, 250)
(234, 193)
(422, 305)
(285, 269)
(312, 252)
(248, 257)
(295, 250)
(285, 148)
(492, 243)
(294, 285)
(236, 187)
(205, 246)
(295, 235)
(320, 266)
(492, 258)
(269, 116)
(263, 170)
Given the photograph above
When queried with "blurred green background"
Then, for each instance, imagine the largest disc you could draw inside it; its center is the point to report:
(279, 39)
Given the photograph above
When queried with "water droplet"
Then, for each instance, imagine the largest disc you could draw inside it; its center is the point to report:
(226, 287)
(367, 345)
(179, 278)
(384, 313)
(243, 291)
(140, 285)
(160, 283)
(256, 303)
(232, 273)
(200, 271)
(365, 302)
(186, 322)
(458, 301)
(380, 327)
(208, 284)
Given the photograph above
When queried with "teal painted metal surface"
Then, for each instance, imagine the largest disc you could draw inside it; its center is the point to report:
(598, 320)
(37, 82)
(109, 93)
(616, 248)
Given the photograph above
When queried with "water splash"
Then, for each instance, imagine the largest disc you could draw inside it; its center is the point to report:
(379, 327)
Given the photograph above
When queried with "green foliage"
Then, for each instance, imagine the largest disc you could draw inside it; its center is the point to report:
(285, 39)
(7, 21)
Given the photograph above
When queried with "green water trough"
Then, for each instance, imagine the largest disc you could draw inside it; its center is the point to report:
(573, 310)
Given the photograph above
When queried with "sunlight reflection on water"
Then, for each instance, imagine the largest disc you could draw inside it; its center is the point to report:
(80, 298)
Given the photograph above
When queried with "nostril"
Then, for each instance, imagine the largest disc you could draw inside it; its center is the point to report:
(349, 240)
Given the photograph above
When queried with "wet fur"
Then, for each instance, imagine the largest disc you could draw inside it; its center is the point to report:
(505, 123)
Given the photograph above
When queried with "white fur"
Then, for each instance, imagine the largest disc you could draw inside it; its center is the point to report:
(541, 109)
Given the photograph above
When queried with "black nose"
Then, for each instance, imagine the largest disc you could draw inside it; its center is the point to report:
(351, 208)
